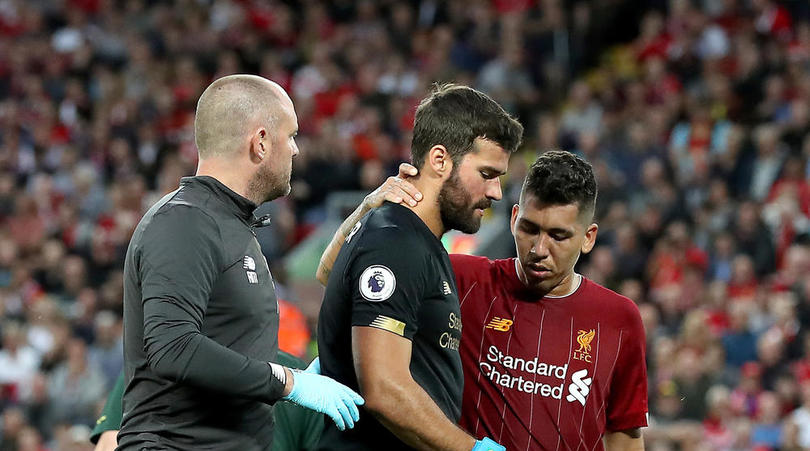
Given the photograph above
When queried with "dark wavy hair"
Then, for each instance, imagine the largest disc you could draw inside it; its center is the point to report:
(558, 177)
(453, 116)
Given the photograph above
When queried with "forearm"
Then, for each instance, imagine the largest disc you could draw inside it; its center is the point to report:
(409, 412)
(176, 350)
(330, 254)
(394, 189)
(108, 441)
(630, 440)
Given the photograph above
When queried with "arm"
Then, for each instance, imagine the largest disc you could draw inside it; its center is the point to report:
(382, 363)
(179, 263)
(178, 260)
(107, 441)
(626, 408)
(106, 430)
(629, 440)
(381, 332)
(395, 189)
(177, 350)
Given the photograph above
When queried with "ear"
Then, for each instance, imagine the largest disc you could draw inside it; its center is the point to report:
(438, 159)
(260, 144)
(513, 221)
(590, 238)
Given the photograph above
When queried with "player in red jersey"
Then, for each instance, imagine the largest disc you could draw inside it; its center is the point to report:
(551, 359)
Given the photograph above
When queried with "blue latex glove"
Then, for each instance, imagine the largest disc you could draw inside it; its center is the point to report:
(314, 366)
(487, 444)
(324, 395)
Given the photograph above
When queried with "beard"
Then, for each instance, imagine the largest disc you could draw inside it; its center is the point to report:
(265, 186)
(456, 206)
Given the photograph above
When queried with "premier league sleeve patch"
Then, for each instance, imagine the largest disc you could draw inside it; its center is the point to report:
(377, 283)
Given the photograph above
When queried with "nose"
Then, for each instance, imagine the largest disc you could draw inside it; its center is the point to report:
(494, 191)
(540, 246)
(295, 149)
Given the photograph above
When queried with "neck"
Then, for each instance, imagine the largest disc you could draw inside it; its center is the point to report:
(566, 286)
(225, 174)
(428, 208)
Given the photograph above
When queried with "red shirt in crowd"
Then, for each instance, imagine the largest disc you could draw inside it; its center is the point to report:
(550, 373)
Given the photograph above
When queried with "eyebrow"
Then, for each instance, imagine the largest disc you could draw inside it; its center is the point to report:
(555, 230)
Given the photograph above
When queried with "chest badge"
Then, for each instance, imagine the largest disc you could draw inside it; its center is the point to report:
(500, 324)
(249, 265)
(584, 339)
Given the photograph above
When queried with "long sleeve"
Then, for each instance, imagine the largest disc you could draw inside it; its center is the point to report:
(179, 264)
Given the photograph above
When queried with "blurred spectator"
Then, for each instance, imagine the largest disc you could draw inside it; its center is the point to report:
(694, 114)
(583, 114)
(800, 418)
(739, 341)
(107, 351)
(76, 386)
(695, 143)
(767, 431)
(749, 229)
(18, 362)
(13, 425)
(507, 81)
(717, 426)
(30, 440)
(745, 398)
(768, 161)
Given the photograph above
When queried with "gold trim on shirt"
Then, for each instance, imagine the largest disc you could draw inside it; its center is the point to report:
(390, 324)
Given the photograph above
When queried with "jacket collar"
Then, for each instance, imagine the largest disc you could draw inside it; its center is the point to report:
(241, 206)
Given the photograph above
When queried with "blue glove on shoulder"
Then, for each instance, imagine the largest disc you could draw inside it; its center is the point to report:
(487, 444)
(324, 395)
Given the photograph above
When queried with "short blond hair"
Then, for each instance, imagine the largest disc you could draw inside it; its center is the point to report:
(229, 108)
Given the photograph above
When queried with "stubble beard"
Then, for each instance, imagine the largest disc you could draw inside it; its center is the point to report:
(265, 186)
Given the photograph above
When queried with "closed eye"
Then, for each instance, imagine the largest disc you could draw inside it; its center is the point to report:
(529, 228)
(489, 175)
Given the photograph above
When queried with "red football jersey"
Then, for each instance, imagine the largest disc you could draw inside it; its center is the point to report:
(553, 373)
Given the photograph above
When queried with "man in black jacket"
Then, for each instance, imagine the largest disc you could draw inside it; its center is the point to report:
(200, 310)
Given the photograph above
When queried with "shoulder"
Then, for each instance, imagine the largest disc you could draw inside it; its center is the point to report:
(391, 238)
(389, 230)
(470, 264)
(184, 217)
(622, 308)
(172, 225)
(390, 216)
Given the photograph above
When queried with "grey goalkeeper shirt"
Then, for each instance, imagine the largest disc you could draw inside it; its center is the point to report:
(200, 325)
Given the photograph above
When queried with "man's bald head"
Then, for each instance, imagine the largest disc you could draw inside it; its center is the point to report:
(231, 108)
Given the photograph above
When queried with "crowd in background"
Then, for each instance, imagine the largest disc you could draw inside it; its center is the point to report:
(694, 113)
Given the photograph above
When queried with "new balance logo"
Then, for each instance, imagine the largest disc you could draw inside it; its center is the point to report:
(353, 231)
(278, 372)
(446, 288)
(249, 265)
(580, 387)
(500, 324)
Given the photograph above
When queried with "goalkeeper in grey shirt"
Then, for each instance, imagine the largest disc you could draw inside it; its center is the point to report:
(200, 310)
